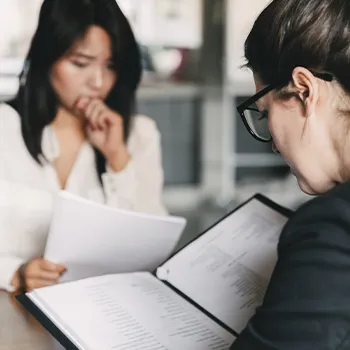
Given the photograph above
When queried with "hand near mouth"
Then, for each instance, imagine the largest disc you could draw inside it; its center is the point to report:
(105, 130)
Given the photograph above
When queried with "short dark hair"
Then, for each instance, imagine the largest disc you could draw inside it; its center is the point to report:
(308, 33)
(61, 23)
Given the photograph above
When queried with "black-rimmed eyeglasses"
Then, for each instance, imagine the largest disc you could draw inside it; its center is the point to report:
(255, 120)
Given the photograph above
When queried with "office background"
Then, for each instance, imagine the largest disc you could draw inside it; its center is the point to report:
(192, 56)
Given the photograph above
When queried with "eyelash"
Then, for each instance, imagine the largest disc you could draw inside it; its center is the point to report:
(109, 66)
(79, 64)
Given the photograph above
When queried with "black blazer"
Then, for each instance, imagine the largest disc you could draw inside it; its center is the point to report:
(307, 304)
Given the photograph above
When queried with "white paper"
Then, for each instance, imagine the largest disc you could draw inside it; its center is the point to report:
(91, 239)
(227, 270)
(133, 311)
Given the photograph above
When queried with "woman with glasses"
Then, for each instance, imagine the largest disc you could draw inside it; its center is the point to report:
(299, 52)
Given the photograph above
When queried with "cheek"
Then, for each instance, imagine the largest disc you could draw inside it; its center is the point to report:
(109, 81)
(281, 132)
(275, 126)
(287, 136)
(65, 80)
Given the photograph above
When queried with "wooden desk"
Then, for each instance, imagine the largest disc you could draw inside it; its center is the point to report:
(19, 330)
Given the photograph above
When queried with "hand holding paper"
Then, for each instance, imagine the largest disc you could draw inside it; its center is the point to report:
(91, 239)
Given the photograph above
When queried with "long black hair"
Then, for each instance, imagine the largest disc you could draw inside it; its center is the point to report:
(61, 24)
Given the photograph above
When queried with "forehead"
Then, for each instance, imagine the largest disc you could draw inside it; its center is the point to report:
(96, 42)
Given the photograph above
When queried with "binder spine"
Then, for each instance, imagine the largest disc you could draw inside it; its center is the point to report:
(198, 307)
(46, 322)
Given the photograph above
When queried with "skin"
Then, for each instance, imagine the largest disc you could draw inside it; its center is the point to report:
(309, 131)
(82, 79)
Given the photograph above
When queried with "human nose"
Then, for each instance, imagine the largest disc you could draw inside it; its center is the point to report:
(96, 78)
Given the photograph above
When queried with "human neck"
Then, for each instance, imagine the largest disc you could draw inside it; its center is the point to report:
(340, 145)
(344, 173)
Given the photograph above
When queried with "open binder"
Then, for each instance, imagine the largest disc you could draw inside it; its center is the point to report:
(201, 298)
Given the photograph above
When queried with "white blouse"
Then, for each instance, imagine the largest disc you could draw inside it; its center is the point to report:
(27, 190)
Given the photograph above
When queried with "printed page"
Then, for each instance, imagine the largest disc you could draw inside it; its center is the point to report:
(226, 271)
(131, 311)
(92, 239)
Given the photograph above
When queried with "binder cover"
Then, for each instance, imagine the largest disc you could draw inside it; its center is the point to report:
(69, 345)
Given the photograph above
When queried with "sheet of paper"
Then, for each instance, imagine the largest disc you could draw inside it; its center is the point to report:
(92, 239)
(232, 263)
(131, 311)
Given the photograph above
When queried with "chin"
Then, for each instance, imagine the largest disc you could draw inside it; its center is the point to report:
(314, 189)
(306, 189)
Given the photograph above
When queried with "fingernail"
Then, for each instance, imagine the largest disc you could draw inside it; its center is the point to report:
(82, 102)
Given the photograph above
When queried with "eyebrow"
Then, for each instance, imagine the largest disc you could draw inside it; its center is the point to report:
(83, 55)
(86, 56)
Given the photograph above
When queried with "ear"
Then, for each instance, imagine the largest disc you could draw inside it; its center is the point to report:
(306, 85)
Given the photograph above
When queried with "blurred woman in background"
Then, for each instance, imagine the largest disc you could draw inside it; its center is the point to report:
(72, 127)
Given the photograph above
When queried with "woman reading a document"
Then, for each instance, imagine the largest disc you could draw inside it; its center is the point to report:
(72, 127)
(299, 52)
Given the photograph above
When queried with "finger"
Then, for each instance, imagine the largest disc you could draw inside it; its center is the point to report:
(96, 116)
(91, 107)
(44, 275)
(106, 119)
(47, 275)
(112, 119)
(50, 266)
(35, 283)
(61, 269)
(91, 112)
(102, 121)
(89, 129)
